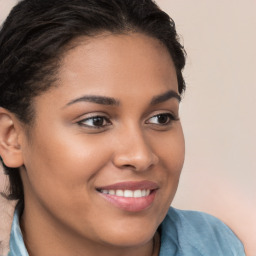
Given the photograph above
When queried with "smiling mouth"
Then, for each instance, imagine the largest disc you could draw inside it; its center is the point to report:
(130, 196)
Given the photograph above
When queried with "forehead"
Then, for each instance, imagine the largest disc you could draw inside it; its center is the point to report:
(125, 59)
(128, 67)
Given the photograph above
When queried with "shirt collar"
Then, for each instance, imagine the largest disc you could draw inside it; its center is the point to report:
(17, 246)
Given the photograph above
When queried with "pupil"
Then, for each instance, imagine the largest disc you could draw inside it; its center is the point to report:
(162, 119)
(98, 121)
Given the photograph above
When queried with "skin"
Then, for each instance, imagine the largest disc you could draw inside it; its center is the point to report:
(66, 157)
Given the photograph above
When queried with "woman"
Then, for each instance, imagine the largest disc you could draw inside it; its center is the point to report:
(90, 133)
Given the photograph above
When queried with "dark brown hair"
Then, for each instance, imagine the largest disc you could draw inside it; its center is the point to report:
(34, 36)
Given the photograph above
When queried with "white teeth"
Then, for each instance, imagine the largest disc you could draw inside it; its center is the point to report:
(137, 193)
(119, 192)
(127, 193)
(112, 192)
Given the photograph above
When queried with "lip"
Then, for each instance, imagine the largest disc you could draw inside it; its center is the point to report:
(130, 204)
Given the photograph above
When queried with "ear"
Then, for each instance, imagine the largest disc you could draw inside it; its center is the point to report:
(10, 148)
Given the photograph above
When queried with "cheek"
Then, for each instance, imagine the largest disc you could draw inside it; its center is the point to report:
(64, 164)
(171, 150)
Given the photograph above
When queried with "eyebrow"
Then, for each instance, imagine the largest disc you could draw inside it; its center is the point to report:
(96, 99)
(164, 97)
(103, 100)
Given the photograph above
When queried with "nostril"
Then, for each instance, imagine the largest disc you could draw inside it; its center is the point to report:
(129, 166)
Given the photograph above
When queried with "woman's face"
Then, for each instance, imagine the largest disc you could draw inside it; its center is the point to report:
(104, 157)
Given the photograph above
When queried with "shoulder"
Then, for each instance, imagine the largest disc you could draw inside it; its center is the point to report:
(198, 233)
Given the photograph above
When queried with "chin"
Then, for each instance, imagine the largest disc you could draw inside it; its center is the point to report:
(129, 235)
(130, 240)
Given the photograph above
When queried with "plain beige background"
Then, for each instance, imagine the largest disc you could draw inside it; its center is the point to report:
(218, 112)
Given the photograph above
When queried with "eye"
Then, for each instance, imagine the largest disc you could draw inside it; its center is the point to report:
(161, 119)
(95, 122)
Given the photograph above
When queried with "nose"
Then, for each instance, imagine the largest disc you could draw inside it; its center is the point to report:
(134, 151)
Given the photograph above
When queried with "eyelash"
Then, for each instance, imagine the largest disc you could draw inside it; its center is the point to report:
(169, 118)
(93, 119)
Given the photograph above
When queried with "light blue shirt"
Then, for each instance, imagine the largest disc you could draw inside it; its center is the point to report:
(183, 233)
